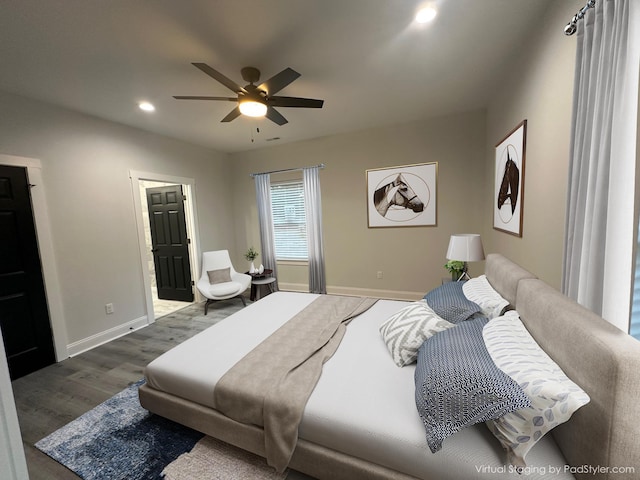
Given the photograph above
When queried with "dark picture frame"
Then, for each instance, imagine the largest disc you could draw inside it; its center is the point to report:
(508, 194)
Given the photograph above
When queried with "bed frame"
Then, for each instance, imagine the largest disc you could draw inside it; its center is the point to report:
(600, 358)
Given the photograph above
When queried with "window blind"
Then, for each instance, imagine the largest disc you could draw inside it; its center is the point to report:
(289, 220)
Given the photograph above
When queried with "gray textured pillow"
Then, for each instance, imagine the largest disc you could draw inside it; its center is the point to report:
(458, 385)
(450, 302)
(219, 276)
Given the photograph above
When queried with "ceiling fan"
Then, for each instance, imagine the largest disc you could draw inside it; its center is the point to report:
(256, 101)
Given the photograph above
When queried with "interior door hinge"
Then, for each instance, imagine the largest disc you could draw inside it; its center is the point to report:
(189, 241)
(193, 283)
(184, 198)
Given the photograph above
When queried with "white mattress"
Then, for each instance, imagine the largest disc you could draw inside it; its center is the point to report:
(363, 404)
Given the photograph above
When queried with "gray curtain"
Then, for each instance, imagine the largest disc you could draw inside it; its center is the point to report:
(267, 238)
(313, 210)
(598, 250)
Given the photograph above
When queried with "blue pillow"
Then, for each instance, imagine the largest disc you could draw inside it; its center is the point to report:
(450, 302)
(458, 385)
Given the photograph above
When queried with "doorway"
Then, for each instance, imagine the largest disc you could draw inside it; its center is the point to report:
(164, 297)
(24, 314)
(141, 182)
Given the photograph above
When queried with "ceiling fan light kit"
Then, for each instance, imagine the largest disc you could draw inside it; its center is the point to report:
(251, 108)
(256, 101)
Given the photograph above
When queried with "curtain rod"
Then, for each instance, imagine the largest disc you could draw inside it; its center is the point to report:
(286, 170)
(570, 29)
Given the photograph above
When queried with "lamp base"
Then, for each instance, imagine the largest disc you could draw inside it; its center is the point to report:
(465, 275)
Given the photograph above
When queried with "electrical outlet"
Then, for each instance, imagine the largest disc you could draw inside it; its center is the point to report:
(379, 274)
(109, 308)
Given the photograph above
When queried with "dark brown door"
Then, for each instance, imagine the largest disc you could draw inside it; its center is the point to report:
(170, 243)
(24, 315)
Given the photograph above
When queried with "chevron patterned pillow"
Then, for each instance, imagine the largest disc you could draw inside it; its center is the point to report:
(406, 330)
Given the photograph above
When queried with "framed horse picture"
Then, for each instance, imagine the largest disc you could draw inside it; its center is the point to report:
(403, 196)
(508, 199)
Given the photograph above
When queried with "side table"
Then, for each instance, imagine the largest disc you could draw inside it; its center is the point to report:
(258, 280)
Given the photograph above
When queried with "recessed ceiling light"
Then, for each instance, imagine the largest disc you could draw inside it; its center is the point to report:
(146, 106)
(426, 14)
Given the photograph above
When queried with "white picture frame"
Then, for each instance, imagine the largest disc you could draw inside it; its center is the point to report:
(508, 194)
(402, 196)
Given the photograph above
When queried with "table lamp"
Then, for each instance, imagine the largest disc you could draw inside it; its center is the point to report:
(465, 247)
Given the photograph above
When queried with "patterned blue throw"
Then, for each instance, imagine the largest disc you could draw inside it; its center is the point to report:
(450, 302)
(119, 440)
(459, 385)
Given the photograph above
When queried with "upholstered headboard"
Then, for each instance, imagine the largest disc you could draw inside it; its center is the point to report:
(599, 357)
(605, 362)
(504, 275)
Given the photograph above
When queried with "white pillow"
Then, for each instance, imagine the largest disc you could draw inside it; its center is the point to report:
(406, 330)
(480, 291)
(554, 397)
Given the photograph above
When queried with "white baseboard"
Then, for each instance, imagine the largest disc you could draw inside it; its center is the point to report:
(356, 291)
(375, 293)
(101, 338)
(294, 287)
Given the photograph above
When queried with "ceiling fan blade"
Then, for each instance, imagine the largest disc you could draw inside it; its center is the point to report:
(216, 75)
(192, 97)
(233, 114)
(295, 102)
(275, 116)
(279, 81)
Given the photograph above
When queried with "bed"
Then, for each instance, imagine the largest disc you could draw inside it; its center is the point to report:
(361, 421)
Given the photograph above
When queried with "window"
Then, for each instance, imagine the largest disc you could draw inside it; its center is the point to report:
(289, 220)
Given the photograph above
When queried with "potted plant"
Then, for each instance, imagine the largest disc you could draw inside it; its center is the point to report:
(251, 255)
(455, 267)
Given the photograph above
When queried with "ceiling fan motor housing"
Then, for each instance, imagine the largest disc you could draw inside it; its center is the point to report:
(250, 74)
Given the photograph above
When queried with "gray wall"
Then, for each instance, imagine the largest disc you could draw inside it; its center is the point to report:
(85, 167)
(538, 87)
(410, 258)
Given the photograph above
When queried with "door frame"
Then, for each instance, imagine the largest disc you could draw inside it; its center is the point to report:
(44, 238)
(191, 217)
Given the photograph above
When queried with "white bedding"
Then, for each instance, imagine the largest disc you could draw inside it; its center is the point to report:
(363, 404)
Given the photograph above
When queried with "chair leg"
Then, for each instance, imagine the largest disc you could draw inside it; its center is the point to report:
(244, 302)
(206, 305)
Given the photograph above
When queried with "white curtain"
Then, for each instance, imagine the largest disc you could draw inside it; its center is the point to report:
(313, 210)
(598, 250)
(265, 220)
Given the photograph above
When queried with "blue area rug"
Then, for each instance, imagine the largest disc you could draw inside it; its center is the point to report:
(119, 440)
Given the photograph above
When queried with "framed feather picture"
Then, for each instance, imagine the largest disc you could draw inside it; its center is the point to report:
(508, 199)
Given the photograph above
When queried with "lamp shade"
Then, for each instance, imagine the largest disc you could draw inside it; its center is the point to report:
(465, 247)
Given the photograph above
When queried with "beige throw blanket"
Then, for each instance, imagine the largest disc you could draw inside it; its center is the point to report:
(270, 386)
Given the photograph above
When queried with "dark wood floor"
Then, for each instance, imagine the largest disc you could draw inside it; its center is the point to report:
(50, 398)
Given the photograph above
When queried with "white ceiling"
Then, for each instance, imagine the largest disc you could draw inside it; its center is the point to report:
(366, 58)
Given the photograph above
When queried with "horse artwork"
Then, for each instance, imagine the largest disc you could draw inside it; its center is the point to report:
(508, 193)
(402, 196)
(397, 192)
(509, 181)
